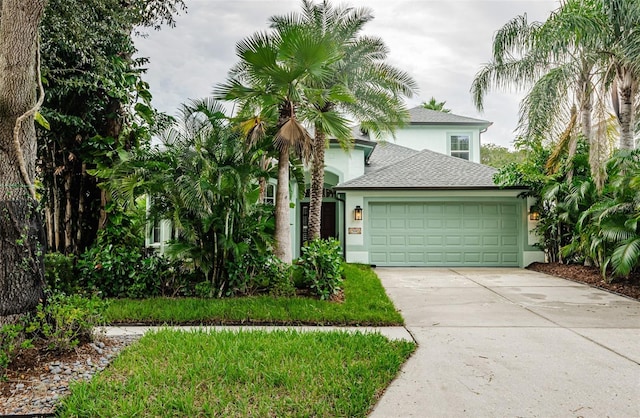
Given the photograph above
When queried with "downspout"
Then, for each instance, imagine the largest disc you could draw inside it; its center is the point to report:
(344, 224)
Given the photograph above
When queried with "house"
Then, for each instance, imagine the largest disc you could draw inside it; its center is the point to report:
(422, 199)
(419, 199)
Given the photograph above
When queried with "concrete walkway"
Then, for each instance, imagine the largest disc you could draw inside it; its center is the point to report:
(392, 333)
(512, 343)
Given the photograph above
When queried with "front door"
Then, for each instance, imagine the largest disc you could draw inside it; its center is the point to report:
(327, 223)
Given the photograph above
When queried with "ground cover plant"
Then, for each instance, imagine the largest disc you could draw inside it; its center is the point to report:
(231, 374)
(365, 303)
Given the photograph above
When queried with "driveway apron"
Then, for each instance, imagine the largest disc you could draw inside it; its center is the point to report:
(498, 342)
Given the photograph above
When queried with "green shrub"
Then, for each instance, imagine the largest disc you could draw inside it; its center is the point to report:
(321, 265)
(64, 321)
(260, 273)
(60, 273)
(13, 339)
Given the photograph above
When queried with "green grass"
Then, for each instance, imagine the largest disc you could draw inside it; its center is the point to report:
(366, 303)
(284, 373)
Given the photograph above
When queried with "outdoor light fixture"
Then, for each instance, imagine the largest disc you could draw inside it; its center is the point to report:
(534, 215)
(357, 213)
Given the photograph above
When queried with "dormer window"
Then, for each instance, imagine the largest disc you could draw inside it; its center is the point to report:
(460, 145)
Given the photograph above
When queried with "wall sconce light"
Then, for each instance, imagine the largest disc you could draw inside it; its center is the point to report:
(534, 215)
(357, 213)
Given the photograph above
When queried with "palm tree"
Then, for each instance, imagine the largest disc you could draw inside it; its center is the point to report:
(204, 182)
(274, 76)
(433, 104)
(584, 49)
(359, 84)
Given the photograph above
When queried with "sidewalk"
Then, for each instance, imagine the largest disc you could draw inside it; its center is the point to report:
(393, 333)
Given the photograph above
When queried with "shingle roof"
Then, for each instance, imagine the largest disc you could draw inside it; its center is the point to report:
(420, 115)
(426, 170)
(387, 153)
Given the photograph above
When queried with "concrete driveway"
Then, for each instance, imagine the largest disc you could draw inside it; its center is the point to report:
(512, 343)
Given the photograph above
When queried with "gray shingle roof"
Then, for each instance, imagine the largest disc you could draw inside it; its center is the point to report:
(420, 115)
(426, 170)
(387, 153)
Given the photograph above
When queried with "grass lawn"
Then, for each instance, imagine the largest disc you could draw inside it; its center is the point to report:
(283, 373)
(365, 303)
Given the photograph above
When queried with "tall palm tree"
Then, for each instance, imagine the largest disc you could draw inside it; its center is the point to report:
(433, 104)
(358, 85)
(558, 70)
(274, 75)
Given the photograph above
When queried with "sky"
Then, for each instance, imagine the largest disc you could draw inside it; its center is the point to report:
(442, 44)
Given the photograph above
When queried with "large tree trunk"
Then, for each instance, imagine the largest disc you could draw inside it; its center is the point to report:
(283, 229)
(317, 183)
(626, 91)
(22, 241)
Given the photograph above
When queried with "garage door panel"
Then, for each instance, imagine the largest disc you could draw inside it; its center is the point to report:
(398, 240)
(435, 240)
(489, 240)
(397, 257)
(416, 223)
(472, 240)
(379, 224)
(472, 257)
(378, 240)
(416, 257)
(471, 223)
(397, 223)
(509, 240)
(453, 240)
(416, 240)
(444, 234)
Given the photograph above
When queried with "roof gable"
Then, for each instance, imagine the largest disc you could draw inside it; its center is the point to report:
(427, 170)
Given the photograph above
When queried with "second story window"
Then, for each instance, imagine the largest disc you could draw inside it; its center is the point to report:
(459, 146)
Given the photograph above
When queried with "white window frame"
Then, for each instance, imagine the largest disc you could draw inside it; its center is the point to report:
(468, 151)
(270, 199)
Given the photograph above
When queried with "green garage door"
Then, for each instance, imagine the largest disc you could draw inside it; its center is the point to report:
(443, 234)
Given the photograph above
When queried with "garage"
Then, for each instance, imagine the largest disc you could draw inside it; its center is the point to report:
(444, 233)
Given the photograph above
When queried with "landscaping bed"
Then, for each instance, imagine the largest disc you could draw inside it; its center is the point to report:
(592, 276)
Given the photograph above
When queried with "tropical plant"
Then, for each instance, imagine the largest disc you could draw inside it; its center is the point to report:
(321, 264)
(205, 182)
(359, 84)
(96, 103)
(433, 104)
(570, 61)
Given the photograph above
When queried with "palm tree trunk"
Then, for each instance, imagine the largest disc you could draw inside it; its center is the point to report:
(627, 90)
(283, 229)
(317, 184)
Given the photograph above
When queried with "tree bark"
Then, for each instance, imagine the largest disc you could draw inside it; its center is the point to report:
(283, 228)
(22, 243)
(317, 184)
(627, 90)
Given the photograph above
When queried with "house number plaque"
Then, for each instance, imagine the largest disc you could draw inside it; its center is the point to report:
(355, 231)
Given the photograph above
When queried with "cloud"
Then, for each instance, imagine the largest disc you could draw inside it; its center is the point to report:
(442, 44)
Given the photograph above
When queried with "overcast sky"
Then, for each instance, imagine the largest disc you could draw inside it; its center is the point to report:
(441, 43)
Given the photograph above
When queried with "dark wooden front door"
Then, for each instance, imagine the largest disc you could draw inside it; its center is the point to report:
(327, 224)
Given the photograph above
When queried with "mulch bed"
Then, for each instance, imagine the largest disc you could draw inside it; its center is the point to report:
(592, 276)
